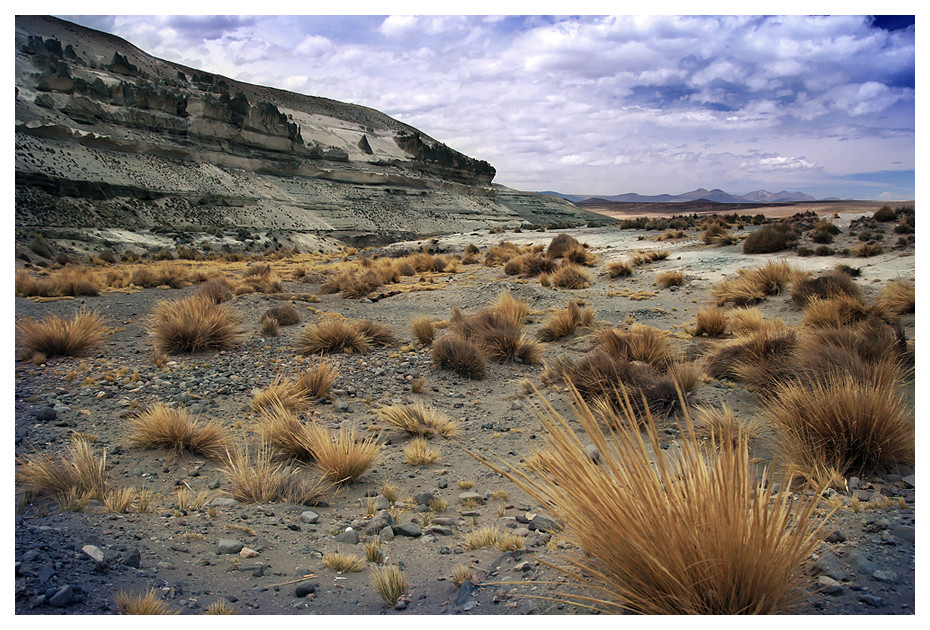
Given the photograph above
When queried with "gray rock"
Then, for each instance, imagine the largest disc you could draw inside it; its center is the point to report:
(905, 533)
(474, 496)
(423, 498)
(63, 597)
(439, 530)
(224, 502)
(909, 481)
(378, 522)
(410, 530)
(386, 534)
(443, 520)
(310, 517)
(165, 565)
(132, 558)
(401, 604)
(228, 546)
(872, 600)
(829, 586)
(349, 537)
(836, 536)
(855, 483)
(382, 503)
(46, 414)
(593, 453)
(544, 524)
(885, 576)
(830, 566)
(94, 552)
(465, 591)
(860, 563)
(304, 588)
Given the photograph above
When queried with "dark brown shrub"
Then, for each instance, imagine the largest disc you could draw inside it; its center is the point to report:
(773, 237)
(459, 354)
(560, 245)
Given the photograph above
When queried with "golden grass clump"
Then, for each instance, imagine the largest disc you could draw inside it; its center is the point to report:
(419, 452)
(462, 573)
(268, 326)
(55, 335)
(759, 359)
(510, 309)
(837, 311)
(569, 276)
(866, 250)
(376, 333)
(561, 244)
(745, 320)
(579, 255)
(711, 321)
(148, 603)
(317, 382)
(343, 456)
(417, 419)
(284, 315)
(333, 335)
(423, 329)
(619, 269)
(343, 562)
(487, 536)
(857, 428)
(193, 324)
(163, 273)
(256, 478)
(720, 424)
(695, 534)
(280, 392)
(638, 343)
(27, 285)
(533, 265)
(78, 472)
(390, 582)
(459, 354)
(221, 607)
(898, 296)
(562, 323)
(281, 428)
(828, 285)
(218, 290)
(373, 552)
(670, 279)
(75, 281)
(161, 426)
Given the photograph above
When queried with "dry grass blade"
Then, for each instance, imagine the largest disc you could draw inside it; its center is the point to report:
(343, 562)
(55, 335)
(193, 324)
(390, 582)
(256, 478)
(161, 426)
(77, 471)
(317, 382)
(417, 419)
(280, 427)
(419, 452)
(692, 534)
(148, 603)
(343, 456)
(423, 329)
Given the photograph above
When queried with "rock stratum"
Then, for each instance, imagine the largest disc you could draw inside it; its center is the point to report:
(109, 136)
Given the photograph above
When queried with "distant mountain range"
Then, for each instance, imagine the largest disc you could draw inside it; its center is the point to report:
(715, 195)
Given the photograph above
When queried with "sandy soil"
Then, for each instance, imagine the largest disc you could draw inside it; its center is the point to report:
(179, 548)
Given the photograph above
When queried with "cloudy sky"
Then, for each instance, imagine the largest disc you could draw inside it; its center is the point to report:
(599, 105)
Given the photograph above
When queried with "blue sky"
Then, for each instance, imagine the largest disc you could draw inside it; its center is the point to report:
(594, 104)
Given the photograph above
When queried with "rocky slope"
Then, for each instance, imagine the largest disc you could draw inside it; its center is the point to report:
(108, 136)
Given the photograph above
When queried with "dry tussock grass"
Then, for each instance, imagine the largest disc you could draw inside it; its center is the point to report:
(562, 323)
(711, 321)
(579, 255)
(343, 562)
(898, 296)
(841, 423)
(148, 275)
(377, 334)
(256, 478)
(333, 336)
(423, 329)
(218, 290)
(75, 281)
(317, 382)
(699, 534)
(282, 429)
(746, 320)
(459, 354)
(569, 276)
(670, 279)
(280, 392)
(77, 471)
(720, 424)
(149, 603)
(55, 335)
(161, 426)
(285, 314)
(419, 452)
(510, 309)
(417, 419)
(759, 359)
(343, 456)
(561, 244)
(638, 343)
(836, 312)
(832, 284)
(619, 269)
(221, 607)
(390, 582)
(193, 324)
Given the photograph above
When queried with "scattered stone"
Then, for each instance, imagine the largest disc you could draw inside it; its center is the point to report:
(224, 502)
(836, 536)
(423, 498)
(132, 558)
(165, 565)
(885, 576)
(872, 600)
(305, 588)
(829, 565)
(855, 483)
(544, 524)
(829, 586)
(905, 533)
(46, 414)
(94, 552)
(310, 517)
(471, 496)
(349, 537)
(386, 534)
(62, 597)
(860, 563)
(245, 552)
(440, 530)
(410, 530)
(593, 453)
(228, 546)
(400, 604)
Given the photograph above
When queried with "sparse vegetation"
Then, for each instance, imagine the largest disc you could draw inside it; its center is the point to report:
(390, 582)
(148, 603)
(193, 324)
(55, 335)
(161, 426)
(417, 419)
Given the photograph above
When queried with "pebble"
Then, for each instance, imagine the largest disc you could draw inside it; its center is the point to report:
(94, 552)
(304, 588)
(472, 496)
(228, 546)
(132, 558)
(310, 517)
(224, 502)
(885, 576)
(46, 414)
(349, 537)
(62, 597)
(245, 552)
(829, 586)
(410, 530)
(872, 600)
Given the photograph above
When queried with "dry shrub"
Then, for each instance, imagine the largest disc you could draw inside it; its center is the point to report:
(496, 334)
(343, 456)
(220, 607)
(746, 320)
(569, 276)
(163, 273)
(27, 285)
(711, 321)
(772, 237)
(486, 536)
(75, 281)
(638, 343)
(279, 392)
(149, 603)
(619, 269)
(55, 335)
(423, 329)
(77, 472)
(866, 250)
(759, 359)
(841, 423)
(898, 296)
(419, 452)
(741, 291)
(459, 354)
(343, 562)
(462, 573)
(359, 285)
(752, 285)
(376, 334)
(561, 323)
(720, 424)
(268, 326)
(561, 244)
(670, 279)
(161, 426)
(510, 309)
(536, 264)
(417, 419)
(499, 254)
(836, 311)
(218, 290)
(193, 324)
(256, 478)
(869, 352)
(579, 255)
(829, 285)
(513, 266)
(544, 280)
(390, 582)
(285, 314)
(317, 382)
(332, 336)
(688, 375)
(699, 533)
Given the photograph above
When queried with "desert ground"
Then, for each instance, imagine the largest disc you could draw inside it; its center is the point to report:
(184, 537)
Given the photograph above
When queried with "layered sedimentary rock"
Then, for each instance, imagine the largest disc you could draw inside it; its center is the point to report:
(108, 136)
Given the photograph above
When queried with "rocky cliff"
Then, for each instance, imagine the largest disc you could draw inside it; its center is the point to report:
(108, 136)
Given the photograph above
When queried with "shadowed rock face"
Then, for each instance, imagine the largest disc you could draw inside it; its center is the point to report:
(108, 136)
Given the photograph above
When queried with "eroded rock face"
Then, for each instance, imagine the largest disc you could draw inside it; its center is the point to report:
(107, 136)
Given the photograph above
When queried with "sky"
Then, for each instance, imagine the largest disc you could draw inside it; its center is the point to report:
(596, 104)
